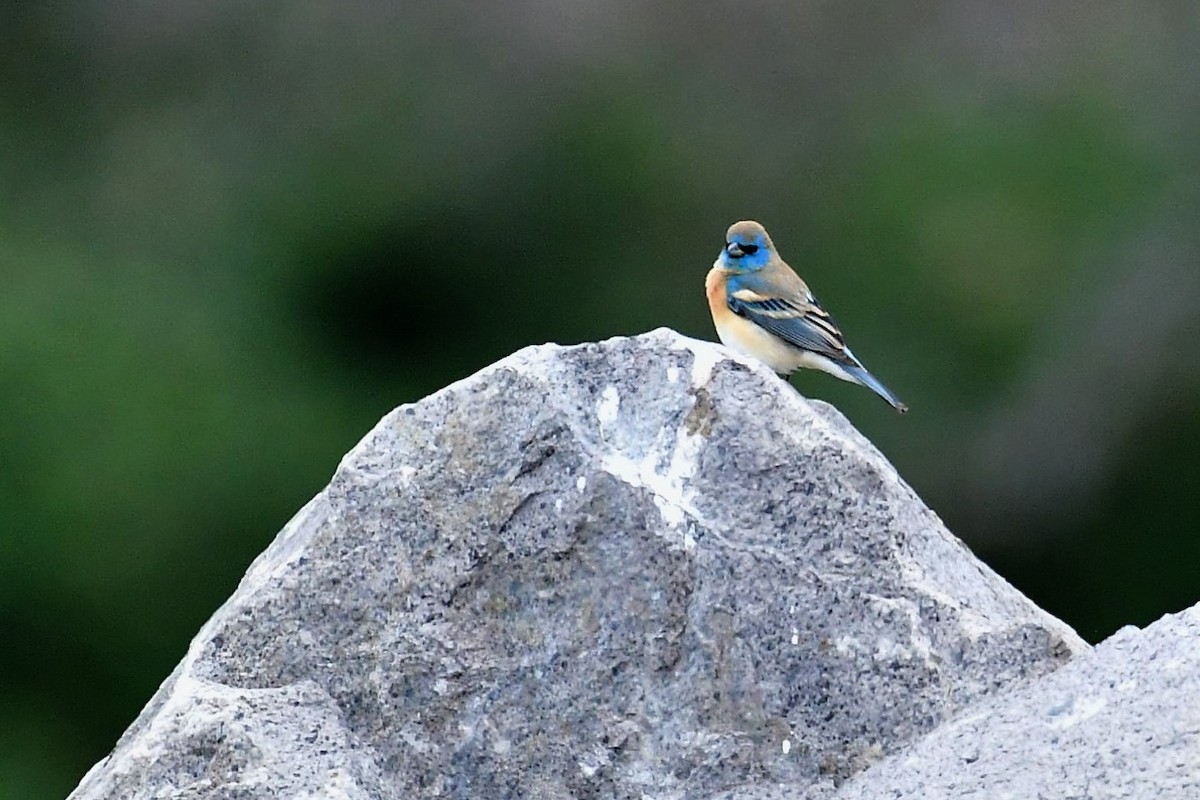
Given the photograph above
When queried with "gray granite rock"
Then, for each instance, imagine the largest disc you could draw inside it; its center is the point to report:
(1121, 722)
(638, 568)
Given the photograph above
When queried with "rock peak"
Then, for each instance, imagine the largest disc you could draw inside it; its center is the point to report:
(641, 567)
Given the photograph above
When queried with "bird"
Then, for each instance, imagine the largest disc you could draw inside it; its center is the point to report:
(763, 309)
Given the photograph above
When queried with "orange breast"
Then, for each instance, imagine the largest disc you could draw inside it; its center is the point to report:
(714, 288)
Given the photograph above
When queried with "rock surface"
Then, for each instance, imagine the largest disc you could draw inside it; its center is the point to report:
(639, 568)
(1121, 722)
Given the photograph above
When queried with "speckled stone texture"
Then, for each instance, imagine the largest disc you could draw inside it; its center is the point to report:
(1122, 722)
(638, 568)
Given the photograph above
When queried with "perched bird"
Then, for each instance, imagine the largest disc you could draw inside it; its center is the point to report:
(761, 308)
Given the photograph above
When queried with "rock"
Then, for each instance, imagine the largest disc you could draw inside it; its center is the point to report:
(638, 568)
(1122, 721)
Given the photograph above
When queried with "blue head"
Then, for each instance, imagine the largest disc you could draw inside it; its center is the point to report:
(747, 247)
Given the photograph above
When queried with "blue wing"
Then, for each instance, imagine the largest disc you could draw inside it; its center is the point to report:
(796, 317)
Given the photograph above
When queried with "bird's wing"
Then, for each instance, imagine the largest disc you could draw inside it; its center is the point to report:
(791, 313)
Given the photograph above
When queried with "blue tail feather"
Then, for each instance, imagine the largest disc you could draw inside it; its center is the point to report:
(860, 374)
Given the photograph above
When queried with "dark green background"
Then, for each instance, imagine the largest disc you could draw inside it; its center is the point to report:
(231, 239)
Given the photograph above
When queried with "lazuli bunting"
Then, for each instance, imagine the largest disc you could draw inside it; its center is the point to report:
(762, 308)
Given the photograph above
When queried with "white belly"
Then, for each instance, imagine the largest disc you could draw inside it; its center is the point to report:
(751, 340)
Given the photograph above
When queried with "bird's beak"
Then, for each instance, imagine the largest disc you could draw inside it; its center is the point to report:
(734, 250)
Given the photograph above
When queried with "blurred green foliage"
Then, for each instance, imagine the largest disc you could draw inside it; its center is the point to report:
(232, 238)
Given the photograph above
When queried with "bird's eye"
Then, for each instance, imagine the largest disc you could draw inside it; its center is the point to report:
(749, 249)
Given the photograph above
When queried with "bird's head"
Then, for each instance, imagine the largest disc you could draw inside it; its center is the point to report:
(747, 247)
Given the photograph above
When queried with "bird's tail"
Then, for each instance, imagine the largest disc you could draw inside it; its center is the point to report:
(859, 373)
